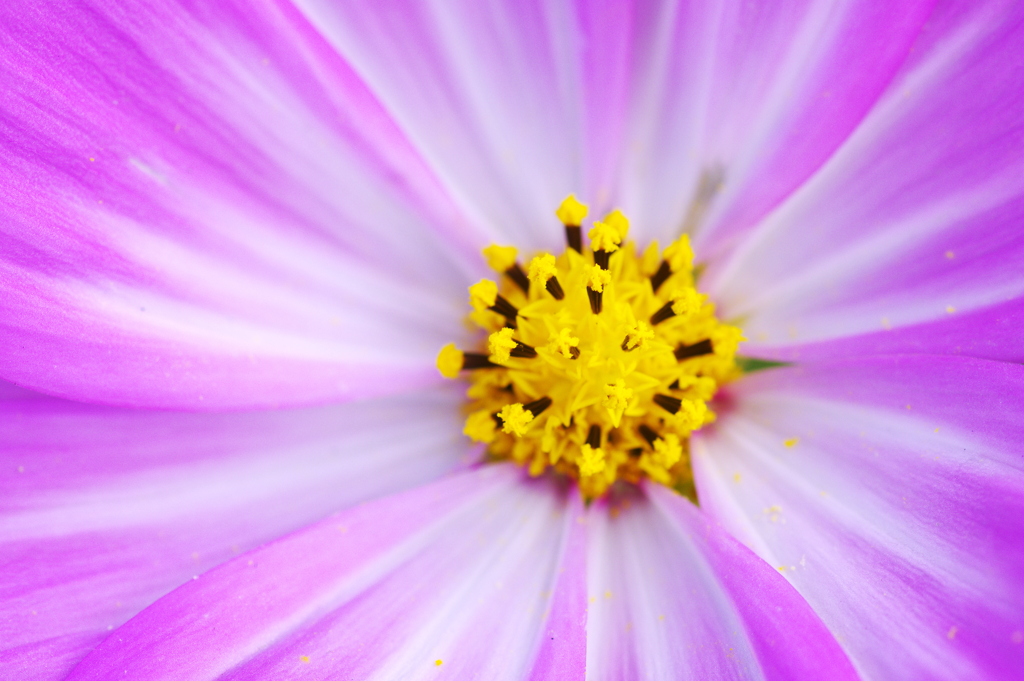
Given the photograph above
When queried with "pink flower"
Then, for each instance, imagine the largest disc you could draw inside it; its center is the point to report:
(235, 235)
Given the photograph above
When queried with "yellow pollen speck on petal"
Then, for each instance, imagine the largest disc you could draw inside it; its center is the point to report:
(500, 344)
(791, 442)
(591, 461)
(542, 268)
(619, 221)
(515, 419)
(951, 634)
(604, 237)
(950, 309)
(438, 663)
(500, 258)
(483, 294)
(571, 212)
(679, 254)
(449, 361)
(304, 658)
(564, 343)
(599, 278)
(950, 255)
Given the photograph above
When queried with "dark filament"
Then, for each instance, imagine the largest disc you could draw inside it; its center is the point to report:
(574, 237)
(698, 349)
(505, 308)
(666, 312)
(594, 437)
(474, 360)
(659, 277)
(648, 434)
(601, 259)
(537, 407)
(596, 300)
(668, 403)
(555, 288)
(517, 275)
(523, 350)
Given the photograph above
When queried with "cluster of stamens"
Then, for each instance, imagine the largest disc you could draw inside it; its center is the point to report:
(599, 363)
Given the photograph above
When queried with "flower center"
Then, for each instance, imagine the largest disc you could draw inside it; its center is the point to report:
(599, 362)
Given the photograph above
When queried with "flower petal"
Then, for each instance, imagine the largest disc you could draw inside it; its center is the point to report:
(741, 102)
(890, 492)
(103, 510)
(673, 597)
(204, 207)
(490, 92)
(914, 223)
(456, 575)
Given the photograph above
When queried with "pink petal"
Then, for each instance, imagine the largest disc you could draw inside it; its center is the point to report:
(914, 223)
(103, 510)
(752, 96)
(205, 207)
(494, 95)
(896, 508)
(461, 571)
(674, 597)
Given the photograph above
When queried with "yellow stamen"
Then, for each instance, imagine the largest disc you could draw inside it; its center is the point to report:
(483, 294)
(604, 237)
(564, 343)
(480, 426)
(571, 212)
(686, 302)
(599, 278)
(619, 221)
(501, 344)
(679, 255)
(637, 335)
(591, 460)
(515, 419)
(500, 258)
(542, 268)
(616, 399)
(449, 361)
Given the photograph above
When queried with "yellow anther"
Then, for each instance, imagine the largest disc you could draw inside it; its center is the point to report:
(691, 414)
(604, 237)
(668, 451)
(679, 255)
(599, 278)
(480, 426)
(500, 258)
(483, 294)
(725, 340)
(686, 301)
(591, 460)
(564, 343)
(449, 361)
(500, 344)
(515, 419)
(619, 221)
(542, 268)
(616, 399)
(571, 212)
(637, 335)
